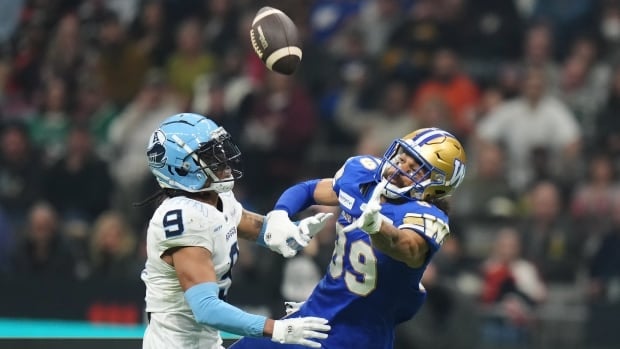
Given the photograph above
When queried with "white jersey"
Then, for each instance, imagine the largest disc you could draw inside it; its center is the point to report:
(178, 222)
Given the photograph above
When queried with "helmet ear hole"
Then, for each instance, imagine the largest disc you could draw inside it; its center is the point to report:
(181, 171)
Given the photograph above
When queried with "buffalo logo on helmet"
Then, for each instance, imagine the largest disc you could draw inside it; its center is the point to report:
(156, 151)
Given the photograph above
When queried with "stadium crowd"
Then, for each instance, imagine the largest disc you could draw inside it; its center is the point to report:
(531, 87)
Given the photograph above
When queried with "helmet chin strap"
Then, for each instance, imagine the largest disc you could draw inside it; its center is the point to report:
(393, 191)
(218, 185)
(222, 186)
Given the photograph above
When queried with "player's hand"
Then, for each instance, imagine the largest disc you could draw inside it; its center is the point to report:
(291, 307)
(280, 234)
(371, 218)
(309, 227)
(300, 331)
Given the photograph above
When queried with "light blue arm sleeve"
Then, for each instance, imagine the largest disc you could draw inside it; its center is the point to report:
(208, 309)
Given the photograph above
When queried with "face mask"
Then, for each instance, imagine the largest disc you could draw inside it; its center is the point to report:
(611, 29)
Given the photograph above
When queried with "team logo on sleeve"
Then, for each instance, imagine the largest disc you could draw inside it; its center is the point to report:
(346, 200)
(156, 151)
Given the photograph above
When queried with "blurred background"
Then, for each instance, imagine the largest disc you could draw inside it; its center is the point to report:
(530, 87)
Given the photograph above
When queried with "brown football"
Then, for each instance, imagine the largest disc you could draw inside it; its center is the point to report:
(275, 40)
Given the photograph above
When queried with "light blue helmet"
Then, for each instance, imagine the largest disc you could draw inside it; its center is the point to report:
(188, 150)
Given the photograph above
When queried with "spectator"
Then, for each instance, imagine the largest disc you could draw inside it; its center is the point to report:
(607, 133)
(278, 132)
(609, 28)
(222, 21)
(24, 77)
(10, 10)
(50, 125)
(377, 20)
(490, 29)
(485, 192)
(128, 133)
(222, 95)
(538, 52)
(522, 126)
(411, 45)
(583, 96)
(188, 61)
(20, 172)
(512, 289)
(450, 84)
(95, 111)
(376, 128)
(66, 54)
(604, 267)
(567, 17)
(594, 199)
(447, 320)
(121, 64)
(43, 252)
(150, 32)
(113, 249)
(79, 185)
(549, 239)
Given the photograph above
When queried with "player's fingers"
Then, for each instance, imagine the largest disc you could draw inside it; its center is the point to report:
(325, 217)
(318, 216)
(376, 194)
(288, 252)
(349, 228)
(373, 207)
(315, 334)
(308, 343)
(318, 327)
(305, 224)
(318, 223)
(301, 241)
(316, 320)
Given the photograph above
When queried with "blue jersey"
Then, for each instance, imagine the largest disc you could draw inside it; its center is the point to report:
(366, 293)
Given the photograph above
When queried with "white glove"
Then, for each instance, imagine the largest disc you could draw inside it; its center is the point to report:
(281, 234)
(309, 227)
(298, 330)
(371, 218)
(291, 307)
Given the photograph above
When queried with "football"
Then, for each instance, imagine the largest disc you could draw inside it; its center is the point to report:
(275, 40)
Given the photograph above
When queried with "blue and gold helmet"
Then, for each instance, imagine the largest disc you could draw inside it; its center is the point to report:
(186, 152)
(441, 159)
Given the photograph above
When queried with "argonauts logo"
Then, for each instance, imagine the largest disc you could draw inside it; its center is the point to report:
(156, 151)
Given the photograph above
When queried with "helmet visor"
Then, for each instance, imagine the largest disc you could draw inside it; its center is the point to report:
(221, 154)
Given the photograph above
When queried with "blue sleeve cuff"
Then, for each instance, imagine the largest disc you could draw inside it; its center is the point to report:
(260, 240)
(208, 309)
(298, 197)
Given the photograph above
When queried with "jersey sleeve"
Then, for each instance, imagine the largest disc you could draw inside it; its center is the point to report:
(188, 225)
(232, 208)
(428, 221)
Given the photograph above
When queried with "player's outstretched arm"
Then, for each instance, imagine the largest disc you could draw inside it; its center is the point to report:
(401, 244)
(196, 274)
(277, 232)
(404, 245)
(305, 194)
